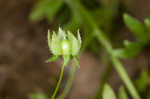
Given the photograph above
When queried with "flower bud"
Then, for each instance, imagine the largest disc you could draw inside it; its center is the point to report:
(65, 45)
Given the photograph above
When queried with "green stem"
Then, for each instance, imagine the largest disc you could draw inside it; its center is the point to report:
(69, 83)
(125, 78)
(59, 82)
(118, 66)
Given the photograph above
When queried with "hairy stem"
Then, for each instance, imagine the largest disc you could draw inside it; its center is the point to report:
(59, 82)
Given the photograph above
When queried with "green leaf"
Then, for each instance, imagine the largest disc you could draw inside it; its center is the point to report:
(53, 58)
(131, 49)
(131, 46)
(72, 25)
(141, 32)
(147, 24)
(75, 47)
(143, 81)
(137, 28)
(66, 59)
(148, 97)
(37, 96)
(45, 8)
(122, 93)
(108, 92)
(55, 45)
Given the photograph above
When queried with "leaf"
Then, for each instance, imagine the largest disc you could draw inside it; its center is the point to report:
(45, 8)
(72, 25)
(55, 45)
(37, 96)
(148, 97)
(75, 47)
(143, 81)
(122, 93)
(53, 58)
(137, 28)
(131, 49)
(108, 92)
(147, 24)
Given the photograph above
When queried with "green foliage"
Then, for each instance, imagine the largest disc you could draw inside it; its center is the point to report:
(137, 28)
(148, 97)
(53, 58)
(141, 33)
(108, 92)
(143, 81)
(147, 23)
(37, 96)
(122, 93)
(45, 9)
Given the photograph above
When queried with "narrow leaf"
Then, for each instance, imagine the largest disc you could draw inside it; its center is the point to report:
(37, 96)
(45, 9)
(108, 92)
(53, 58)
(143, 81)
(131, 49)
(147, 24)
(136, 27)
(122, 93)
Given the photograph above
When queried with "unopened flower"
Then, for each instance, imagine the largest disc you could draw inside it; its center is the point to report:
(65, 45)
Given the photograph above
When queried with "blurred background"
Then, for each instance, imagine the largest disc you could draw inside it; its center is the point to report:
(23, 47)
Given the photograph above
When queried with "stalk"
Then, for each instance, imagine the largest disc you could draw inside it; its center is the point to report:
(59, 82)
(69, 82)
(119, 67)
